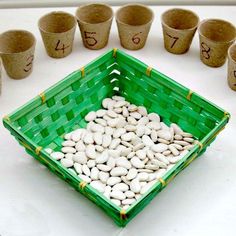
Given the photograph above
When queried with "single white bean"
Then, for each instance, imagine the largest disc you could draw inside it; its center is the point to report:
(136, 162)
(67, 163)
(118, 171)
(86, 170)
(135, 186)
(123, 162)
(132, 174)
(90, 116)
(119, 195)
(98, 185)
(121, 187)
(94, 173)
(113, 180)
(90, 151)
(103, 176)
(129, 194)
(57, 155)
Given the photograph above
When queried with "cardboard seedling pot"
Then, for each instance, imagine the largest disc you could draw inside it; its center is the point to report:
(179, 27)
(17, 52)
(0, 75)
(134, 22)
(232, 67)
(57, 30)
(94, 21)
(215, 37)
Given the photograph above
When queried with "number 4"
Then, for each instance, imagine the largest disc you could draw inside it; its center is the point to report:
(63, 47)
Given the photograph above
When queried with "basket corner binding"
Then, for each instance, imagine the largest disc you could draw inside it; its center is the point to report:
(62, 107)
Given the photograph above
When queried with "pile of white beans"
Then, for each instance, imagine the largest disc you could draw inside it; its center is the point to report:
(123, 150)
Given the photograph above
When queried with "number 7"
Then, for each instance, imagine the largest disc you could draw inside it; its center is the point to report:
(175, 40)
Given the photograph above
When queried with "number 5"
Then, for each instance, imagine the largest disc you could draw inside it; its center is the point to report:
(90, 40)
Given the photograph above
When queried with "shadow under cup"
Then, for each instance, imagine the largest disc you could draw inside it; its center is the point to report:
(179, 27)
(134, 23)
(215, 37)
(17, 51)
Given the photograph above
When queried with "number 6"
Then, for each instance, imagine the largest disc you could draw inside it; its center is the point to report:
(135, 39)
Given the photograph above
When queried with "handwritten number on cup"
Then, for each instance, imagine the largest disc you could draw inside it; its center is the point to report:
(90, 39)
(174, 38)
(29, 64)
(136, 39)
(235, 76)
(60, 47)
(205, 50)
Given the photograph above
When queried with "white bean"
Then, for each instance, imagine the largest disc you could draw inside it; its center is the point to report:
(57, 155)
(90, 116)
(98, 185)
(123, 151)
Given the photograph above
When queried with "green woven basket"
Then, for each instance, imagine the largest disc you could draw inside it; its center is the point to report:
(44, 120)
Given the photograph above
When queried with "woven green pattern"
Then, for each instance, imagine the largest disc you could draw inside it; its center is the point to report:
(43, 121)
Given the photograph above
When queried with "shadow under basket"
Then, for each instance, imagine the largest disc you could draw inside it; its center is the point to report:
(44, 120)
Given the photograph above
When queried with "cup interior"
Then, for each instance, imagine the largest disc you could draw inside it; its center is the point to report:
(16, 41)
(94, 13)
(134, 15)
(232, 52)
(217, 30)
(57, 22)
(180, 19)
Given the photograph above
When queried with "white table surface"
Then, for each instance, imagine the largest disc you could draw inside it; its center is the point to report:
(199, 201)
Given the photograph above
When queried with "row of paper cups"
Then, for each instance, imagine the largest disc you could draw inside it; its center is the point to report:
(134, 23)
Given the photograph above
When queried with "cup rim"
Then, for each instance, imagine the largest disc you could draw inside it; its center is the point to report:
(90, 4)
(56, 12)
(134, 4)
(229, 54)
(216, 19)
(187, 10)
(19, 30)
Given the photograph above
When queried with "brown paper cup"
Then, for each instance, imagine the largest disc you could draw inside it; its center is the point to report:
(179, 27)
(17, 52)
(94, 21)
(232, 67)
(134, 23)
(215, 37)
(0, 75)
(57, 30)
